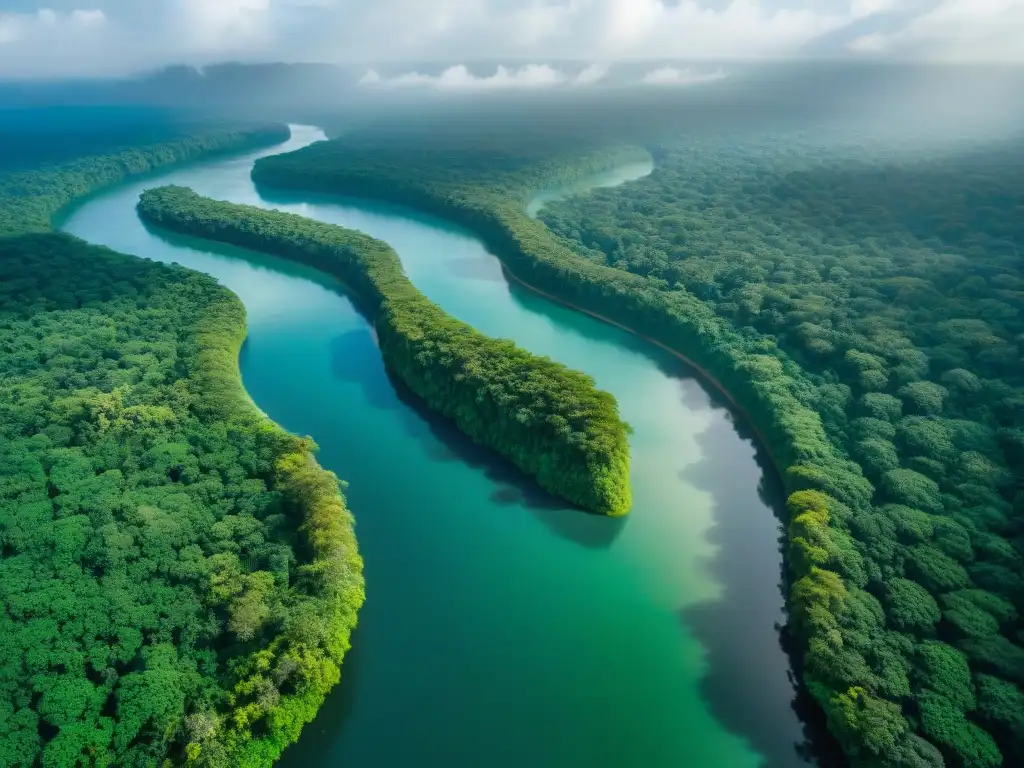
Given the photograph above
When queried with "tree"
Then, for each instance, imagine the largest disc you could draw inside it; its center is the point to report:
(910, 607)
(865, 725)
(1001, 708)
(935, 571)
(904, 486)
(945, 724)
(944, 670)
(924, 397)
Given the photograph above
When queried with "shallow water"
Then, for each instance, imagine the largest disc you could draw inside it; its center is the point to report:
(500, 627)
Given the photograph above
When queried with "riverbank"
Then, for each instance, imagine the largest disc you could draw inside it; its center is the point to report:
(824, 566)
(549, 421)
(705, 375)
(305, 565)
(31, 200)
(484, 587)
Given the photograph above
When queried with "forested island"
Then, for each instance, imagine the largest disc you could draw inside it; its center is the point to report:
(551, 422)
(865, 314)
(179, 577)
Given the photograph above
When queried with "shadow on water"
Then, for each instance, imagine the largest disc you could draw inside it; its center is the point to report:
(596, 330)
(752, 577)
(336, 710)
(254, 258)
(355, 357)
(740, 660)
(743, 629)
(514, 488)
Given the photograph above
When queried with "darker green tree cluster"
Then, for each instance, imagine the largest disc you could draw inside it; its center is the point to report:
(867, 317)
(553, 423)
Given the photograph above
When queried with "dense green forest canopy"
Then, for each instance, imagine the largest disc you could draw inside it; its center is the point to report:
(896, 283)
(552, 422)
(863, 306)
(178, 576)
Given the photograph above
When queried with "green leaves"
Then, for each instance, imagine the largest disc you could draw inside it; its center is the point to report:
(944, 723)
(867, 726)
(910, 607)
(143, 505)
(944, 669)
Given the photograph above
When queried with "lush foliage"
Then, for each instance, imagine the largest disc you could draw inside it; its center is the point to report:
(30, 198)
(179, 578)
(553, 423)
(866, 316)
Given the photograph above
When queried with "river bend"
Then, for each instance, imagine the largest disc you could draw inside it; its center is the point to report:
(501, 628)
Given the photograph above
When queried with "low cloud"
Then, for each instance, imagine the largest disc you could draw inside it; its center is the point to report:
(873, 43)
(679, 77)
(47, 33)
(88, 18)
(459, 78)
(595, 73)
(125, 36)
(21, 26)
(953, 30)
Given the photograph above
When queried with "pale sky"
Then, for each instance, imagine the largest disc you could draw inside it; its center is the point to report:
(113, 37)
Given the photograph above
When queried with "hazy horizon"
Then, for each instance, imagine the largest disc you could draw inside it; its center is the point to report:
(114, 38)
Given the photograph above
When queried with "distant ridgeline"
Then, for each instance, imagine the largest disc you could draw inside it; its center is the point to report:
(551, 422)
(178, 576)
(882, 371)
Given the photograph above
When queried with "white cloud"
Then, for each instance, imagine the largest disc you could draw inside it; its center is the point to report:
(8, 29)
(139, 34)
(862, 8)
(370, 77)
(595, 73)
(223, 24)
(955, 30)
(45, 26)
(675, 76)
(871, 43)
(88, 18)
(460, 78)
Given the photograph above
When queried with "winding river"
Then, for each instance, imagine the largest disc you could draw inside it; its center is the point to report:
(502, 629)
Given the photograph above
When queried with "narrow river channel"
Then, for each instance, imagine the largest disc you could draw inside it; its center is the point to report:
(502, 629)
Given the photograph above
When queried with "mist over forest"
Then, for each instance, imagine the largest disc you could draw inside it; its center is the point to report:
(879, 101)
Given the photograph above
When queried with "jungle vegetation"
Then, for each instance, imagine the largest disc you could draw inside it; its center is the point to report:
(29, 198)
(551, 422)
(864, 310)
(178, 576)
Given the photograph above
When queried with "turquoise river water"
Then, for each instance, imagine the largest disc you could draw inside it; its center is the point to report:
(501, 628)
